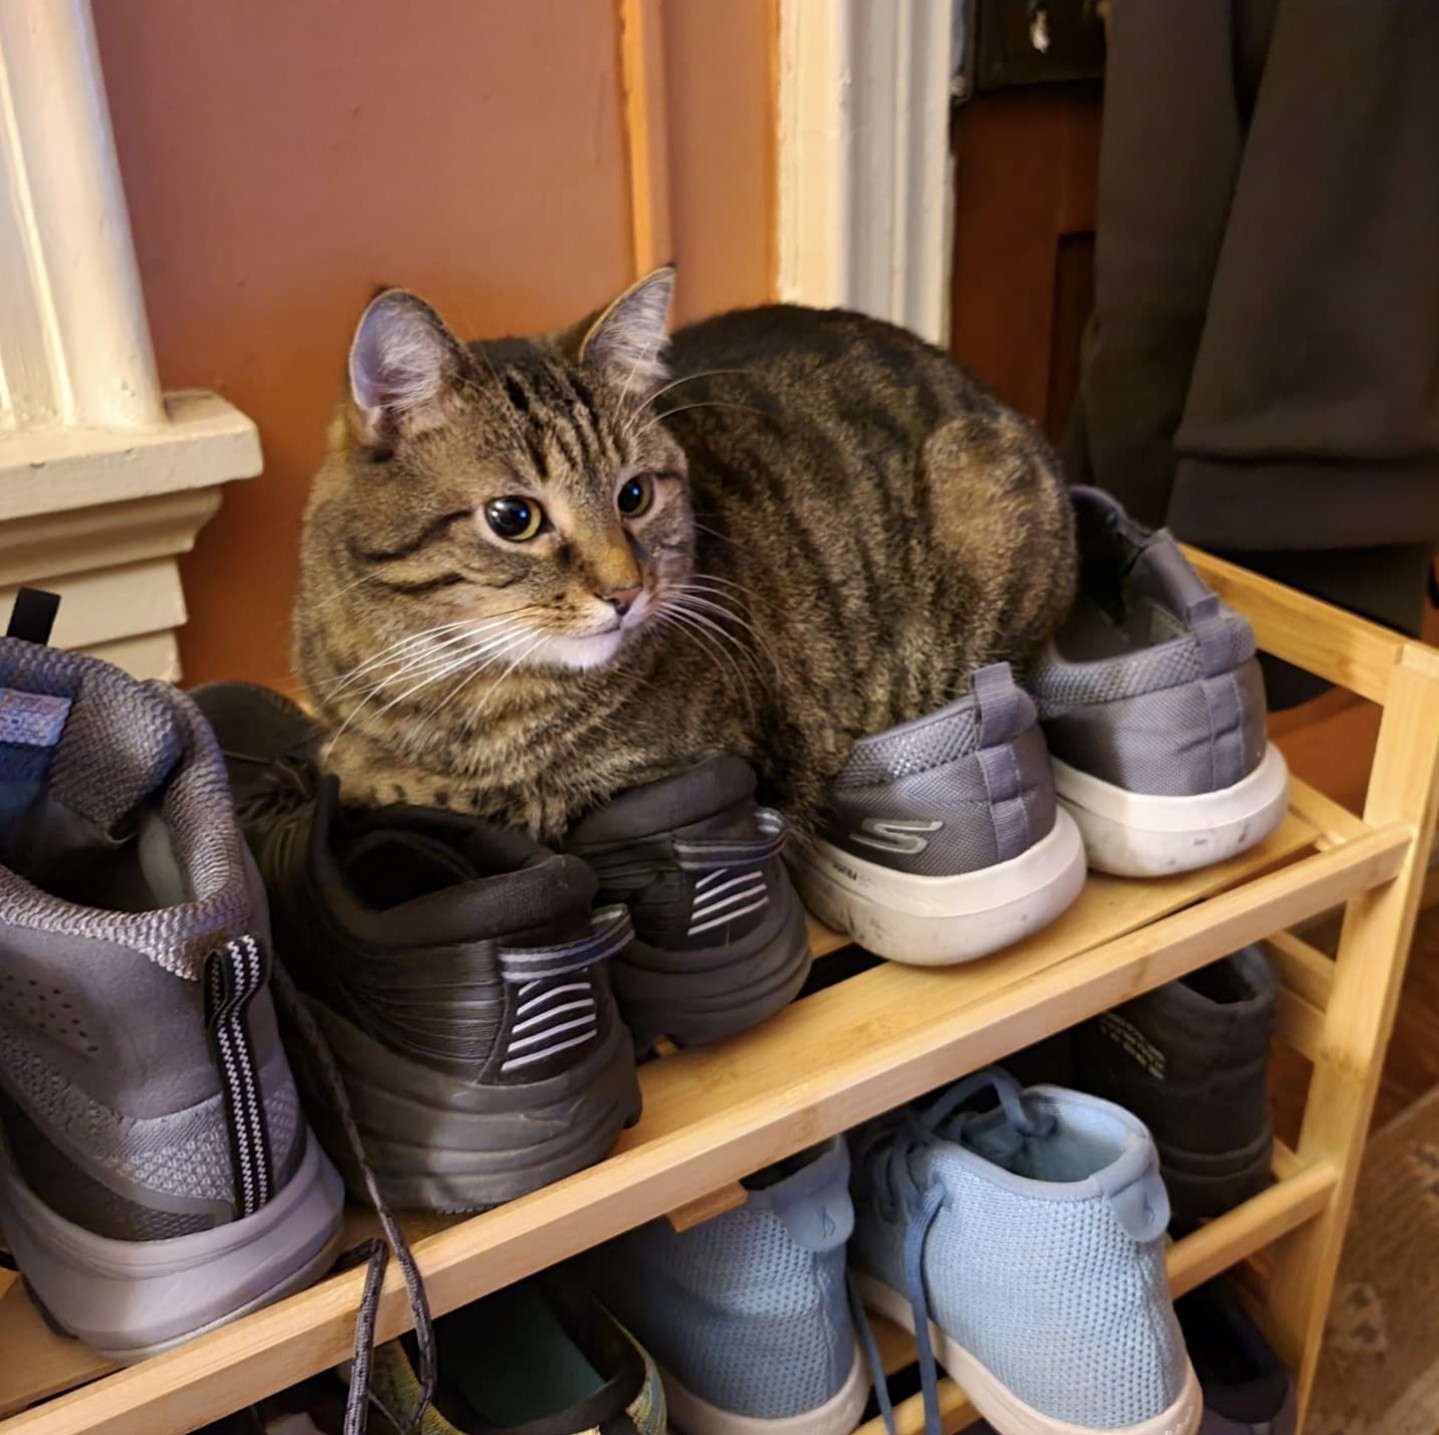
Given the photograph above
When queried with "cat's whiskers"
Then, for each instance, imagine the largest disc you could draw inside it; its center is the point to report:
(499, 682)
(387, 654)
(649, 400)
(491, 650)
(694, 598)
(702, 404)
(430, 639)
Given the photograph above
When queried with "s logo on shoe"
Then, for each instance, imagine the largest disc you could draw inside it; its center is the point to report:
(892, 836)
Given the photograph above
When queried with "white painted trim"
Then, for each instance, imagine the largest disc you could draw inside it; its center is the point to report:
(104, 481)
(74, 343)
(864, 170)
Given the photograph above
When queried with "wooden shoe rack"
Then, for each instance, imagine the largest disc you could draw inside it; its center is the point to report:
(888, 1033)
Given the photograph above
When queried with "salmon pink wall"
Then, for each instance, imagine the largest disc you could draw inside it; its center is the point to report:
(281, 160)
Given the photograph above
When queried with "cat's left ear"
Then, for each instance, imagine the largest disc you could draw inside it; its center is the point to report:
(628, 340)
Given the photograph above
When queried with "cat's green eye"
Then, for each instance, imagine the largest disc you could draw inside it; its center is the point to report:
(514, 519)
(636, 495)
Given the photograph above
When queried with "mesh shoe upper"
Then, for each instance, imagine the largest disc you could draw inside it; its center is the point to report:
(143, 1090)
(1151, 684)
(1039, 1233)
(748, 1310)
(956, 791)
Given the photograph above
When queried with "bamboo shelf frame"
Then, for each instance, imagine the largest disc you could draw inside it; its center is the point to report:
(886, 1035)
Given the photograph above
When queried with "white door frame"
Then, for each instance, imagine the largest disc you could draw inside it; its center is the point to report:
(864, 176)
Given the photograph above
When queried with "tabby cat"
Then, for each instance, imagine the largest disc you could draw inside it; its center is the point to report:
(537, 571)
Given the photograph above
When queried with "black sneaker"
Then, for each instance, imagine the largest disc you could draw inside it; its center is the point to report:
(1247, 1390)
(1191, 1059)
(456, 970)
(720, 936)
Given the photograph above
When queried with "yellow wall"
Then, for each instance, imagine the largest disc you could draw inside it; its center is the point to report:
(281, 160)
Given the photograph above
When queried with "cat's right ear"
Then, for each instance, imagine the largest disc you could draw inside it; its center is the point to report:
(404, 364)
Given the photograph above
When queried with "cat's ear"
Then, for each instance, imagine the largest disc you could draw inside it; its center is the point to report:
(403, 366)
(628, 340)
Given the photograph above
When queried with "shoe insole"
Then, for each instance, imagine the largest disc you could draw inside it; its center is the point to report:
(511, 1361)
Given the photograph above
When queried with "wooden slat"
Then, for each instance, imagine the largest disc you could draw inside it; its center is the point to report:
(1299, 1023)
(34, 1362)
(729, 1197)
(1368, 976)
(1336, 822)
(1315, 636)
(1303, 967)
(1223, 1243)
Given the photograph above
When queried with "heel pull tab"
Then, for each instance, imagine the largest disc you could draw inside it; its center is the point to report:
(32, 619)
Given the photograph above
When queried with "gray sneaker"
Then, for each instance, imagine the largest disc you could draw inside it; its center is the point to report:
(747, 1315)
(720, 936)
(1153, 705)
(943, 841)
(156, 1174)
(456, 970)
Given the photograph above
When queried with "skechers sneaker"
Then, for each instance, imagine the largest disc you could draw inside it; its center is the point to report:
(542, 1357)
(1191, 1060)
(455, 969)
(1025, 1246)
(720, 936)
(747, 1314)
(1153, 705)
(156, 1174)
(943, 842)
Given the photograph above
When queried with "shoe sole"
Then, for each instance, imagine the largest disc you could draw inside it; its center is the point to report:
(439, 1143)
(132, 1299)
(938, 921)
(998, 1404)
(837, 1416)
(1137, 834)
(695, 997)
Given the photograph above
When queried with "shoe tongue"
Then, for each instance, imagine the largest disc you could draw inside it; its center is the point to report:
(97, 740)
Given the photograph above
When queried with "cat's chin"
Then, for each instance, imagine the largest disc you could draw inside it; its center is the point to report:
(564, 650)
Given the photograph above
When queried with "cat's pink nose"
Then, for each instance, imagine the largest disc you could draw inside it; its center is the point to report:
(622, 599)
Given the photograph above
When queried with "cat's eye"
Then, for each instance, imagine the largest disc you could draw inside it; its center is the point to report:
(514, 519)
(635, 495)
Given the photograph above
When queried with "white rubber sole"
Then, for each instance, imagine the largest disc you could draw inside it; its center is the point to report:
(837, 1416)
(1135, 834)
(1000, 1405)
(132, 1299)
(937, 921)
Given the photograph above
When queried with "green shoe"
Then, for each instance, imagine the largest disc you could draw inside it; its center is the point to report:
(542, 1356)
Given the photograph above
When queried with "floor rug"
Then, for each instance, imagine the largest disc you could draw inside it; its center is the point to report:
(1379, 1371)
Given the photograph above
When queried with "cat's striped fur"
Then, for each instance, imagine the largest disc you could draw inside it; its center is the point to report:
(844, 525)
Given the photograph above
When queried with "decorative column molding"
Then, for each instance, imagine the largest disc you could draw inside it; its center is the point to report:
(865, 181)
(103, 479)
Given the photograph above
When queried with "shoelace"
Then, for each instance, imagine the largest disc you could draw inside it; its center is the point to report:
(887, 1152)
(374, 1253)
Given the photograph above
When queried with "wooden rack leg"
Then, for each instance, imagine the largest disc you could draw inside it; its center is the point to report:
(1368, 973)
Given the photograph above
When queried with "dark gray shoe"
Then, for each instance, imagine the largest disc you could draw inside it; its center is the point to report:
(1191, 1060)
(1153, 706)
(720, 937)
(156, 1174)
(943, 842)
(456, 970)
(1247, 1390)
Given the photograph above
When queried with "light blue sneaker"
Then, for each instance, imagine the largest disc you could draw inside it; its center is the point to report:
(746, 1315)
(1026, 1247)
